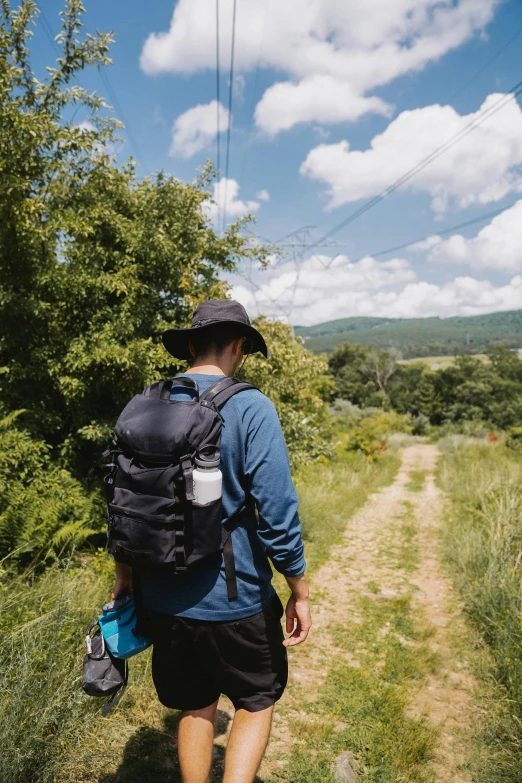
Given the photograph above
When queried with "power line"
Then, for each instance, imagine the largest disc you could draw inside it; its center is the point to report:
(468, 128)
(218, 101)
(451, 98)
(48, 31)
(285, 306)
(112, 95)
(413, 241)
(450, 230)
(486, 65)
(230, 98)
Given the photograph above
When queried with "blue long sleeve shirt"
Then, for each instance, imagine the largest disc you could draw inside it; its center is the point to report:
(254, 464)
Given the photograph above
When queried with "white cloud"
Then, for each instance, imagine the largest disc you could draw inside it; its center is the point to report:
(320, 287)
(227, 191)
(344, 49)
(481, 168)
(317, 98)
(387, 289)
(497, 246)
(196, 128)
(263, 195)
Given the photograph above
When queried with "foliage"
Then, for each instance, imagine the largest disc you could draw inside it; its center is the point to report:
(379, 366)
(415, 337)
(94, 263)
(297, 383)
(483, 544)
(467, 390)
(514, 439)
(345, 365)
(41, 705)
(371, 434)
(42, 507)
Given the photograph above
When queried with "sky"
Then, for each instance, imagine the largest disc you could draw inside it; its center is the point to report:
(332, 103)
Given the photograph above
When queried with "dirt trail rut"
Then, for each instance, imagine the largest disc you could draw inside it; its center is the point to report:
(365, 557)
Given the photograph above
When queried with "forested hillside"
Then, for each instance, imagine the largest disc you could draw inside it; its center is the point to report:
(419, 336)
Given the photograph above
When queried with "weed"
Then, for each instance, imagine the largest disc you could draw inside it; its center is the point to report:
(417, 480)
(482, 543)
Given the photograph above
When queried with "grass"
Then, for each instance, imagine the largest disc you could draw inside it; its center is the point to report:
(417, 480)
(331, 494)
(363, 704)
(42, 709)
(49, 730)
(482, 544)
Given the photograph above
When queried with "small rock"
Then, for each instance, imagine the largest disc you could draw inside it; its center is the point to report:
(343, 769)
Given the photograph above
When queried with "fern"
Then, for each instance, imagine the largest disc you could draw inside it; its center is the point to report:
(43, 508)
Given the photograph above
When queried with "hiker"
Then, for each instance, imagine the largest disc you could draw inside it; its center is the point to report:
(217, 629)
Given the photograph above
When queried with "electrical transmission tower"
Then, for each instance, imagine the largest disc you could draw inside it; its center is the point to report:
(294, 251)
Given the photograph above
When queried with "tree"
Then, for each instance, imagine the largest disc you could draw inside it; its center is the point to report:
(345, 365)
(296, 382)
(380, 366)
(94, 264)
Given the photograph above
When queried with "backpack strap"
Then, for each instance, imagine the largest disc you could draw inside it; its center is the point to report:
(224, 389)
(229, 561)
(116, 697)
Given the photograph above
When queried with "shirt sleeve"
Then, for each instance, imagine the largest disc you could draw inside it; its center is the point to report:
(267, 471)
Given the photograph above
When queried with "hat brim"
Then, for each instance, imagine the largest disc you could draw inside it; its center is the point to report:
(176, 341)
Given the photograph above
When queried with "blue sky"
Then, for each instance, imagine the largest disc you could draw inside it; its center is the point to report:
(346, 98)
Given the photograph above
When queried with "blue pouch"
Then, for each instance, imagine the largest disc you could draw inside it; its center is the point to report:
(118, 626)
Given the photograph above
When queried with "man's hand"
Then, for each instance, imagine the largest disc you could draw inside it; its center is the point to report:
(123, 584)
(298, 617)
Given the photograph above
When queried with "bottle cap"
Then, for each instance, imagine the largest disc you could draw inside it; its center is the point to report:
(208, 457)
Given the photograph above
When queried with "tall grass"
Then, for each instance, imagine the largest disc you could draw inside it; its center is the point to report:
(42, 708)
(482, 541)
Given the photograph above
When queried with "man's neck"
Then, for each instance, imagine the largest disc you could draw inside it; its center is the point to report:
(207, 369)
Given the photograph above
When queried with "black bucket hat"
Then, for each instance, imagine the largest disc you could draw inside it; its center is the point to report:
(207, 315)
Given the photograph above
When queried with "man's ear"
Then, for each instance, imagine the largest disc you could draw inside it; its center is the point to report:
(191, 349)
(239, 344)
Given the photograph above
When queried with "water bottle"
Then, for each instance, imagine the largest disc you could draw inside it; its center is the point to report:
(208, 479)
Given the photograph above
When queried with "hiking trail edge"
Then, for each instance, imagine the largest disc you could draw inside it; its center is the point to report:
(369, 555)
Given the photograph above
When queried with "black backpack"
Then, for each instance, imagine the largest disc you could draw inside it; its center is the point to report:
(154, 522)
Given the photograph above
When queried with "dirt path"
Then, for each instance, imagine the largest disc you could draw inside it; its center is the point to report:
(371, 561)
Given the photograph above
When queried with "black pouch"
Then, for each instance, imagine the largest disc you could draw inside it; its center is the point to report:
(102, 674)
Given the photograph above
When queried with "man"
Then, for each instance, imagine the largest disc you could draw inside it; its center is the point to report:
(205, 644)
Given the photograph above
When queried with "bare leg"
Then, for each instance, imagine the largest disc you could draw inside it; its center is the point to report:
(247, 745)
(195, 744)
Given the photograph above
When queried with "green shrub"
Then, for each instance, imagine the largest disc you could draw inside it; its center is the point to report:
(371, 434)
(42, 507)
(296, 382)
(514, 439)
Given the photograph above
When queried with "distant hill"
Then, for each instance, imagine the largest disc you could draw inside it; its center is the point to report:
(419, 336)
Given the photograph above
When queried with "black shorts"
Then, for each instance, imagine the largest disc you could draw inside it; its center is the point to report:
(195, 661)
